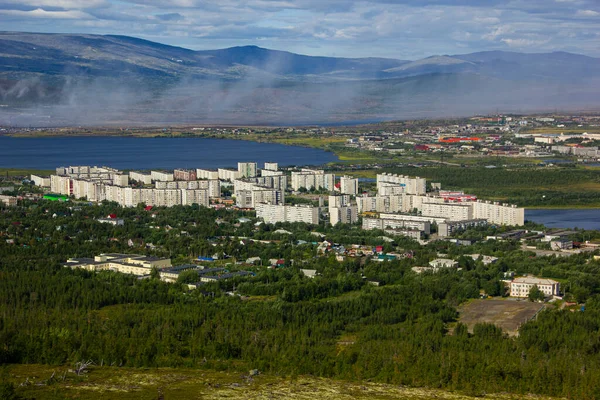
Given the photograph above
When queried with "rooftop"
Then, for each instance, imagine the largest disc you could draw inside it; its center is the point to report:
(534, 280)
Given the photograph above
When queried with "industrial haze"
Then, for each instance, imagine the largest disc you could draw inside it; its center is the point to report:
(56, 79)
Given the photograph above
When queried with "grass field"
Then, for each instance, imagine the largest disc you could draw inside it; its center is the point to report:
(33, 381)
(24, 172)
(566, 130)
(506, 314)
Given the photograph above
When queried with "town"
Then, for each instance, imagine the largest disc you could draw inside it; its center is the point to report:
(400, 204)
(397, 205)
(311, 252)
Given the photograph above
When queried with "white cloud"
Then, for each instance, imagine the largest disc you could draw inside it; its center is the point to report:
(41, 13)
(389, 28)
(64, 4)
(587, 13)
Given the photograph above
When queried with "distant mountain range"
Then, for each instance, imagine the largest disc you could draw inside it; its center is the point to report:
(60, 79)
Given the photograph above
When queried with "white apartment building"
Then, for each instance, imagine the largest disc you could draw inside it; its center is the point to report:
(449, 211)
(162, 176)
(249, 198)
(228, 174)
(410, 185)
(387, 204)
(312, 179)
(144, 178)
(268, 172)
(339, 200)
(274, 181)
(520, 287)
(271, 166)
(195, 196)
(213, 186)
(396, 224)
(390, 189)
(496, 213)
(349, 185)
(272, 213)
(61, 185)
(247, 169)
(120, 180)
(207, 174)
(40, 181)
(343, 215)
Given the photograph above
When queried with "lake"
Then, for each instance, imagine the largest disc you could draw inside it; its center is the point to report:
(568, 218)
(150, 153)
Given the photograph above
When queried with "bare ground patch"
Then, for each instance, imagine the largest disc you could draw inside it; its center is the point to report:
(506, 314)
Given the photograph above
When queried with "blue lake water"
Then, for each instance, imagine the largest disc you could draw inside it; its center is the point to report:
(150, 153)
(586, 219)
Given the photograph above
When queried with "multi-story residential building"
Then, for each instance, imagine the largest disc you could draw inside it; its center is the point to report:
(120, 180)
(387, 204)
(274, 181)
(397, 224)
(195, 196)
(61, 185)
(272, 213)
(410, 185)
(141, 177)
(339, 200)
(520, 287)
(207, 174)
(228, 174)
(271, 166)
(40, 181)
(447, 228)
(349, 185)
(184, 175)
(390, 189)
(268, 172)
(249, 198)
(161, 176)
(449, 211)
(247, 169)
(343, 215)
(496, 213)
(312, 179)
(213, 186)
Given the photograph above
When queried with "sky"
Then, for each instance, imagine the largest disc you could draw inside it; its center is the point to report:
(403, 29)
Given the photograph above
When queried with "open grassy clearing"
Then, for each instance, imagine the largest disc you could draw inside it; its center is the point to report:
(24, 172)
(33, 381)
(566, 130)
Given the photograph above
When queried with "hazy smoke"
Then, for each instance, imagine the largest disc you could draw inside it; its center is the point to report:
(262, 98)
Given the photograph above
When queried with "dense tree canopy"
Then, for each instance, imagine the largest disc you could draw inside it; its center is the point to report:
(337, 324)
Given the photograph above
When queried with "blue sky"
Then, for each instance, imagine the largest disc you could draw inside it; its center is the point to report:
(405, 29)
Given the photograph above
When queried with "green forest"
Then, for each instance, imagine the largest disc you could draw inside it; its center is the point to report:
(405, 331)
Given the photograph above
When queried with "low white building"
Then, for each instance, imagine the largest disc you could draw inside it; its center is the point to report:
(8, 200)
(443, 263)
(520, 287)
